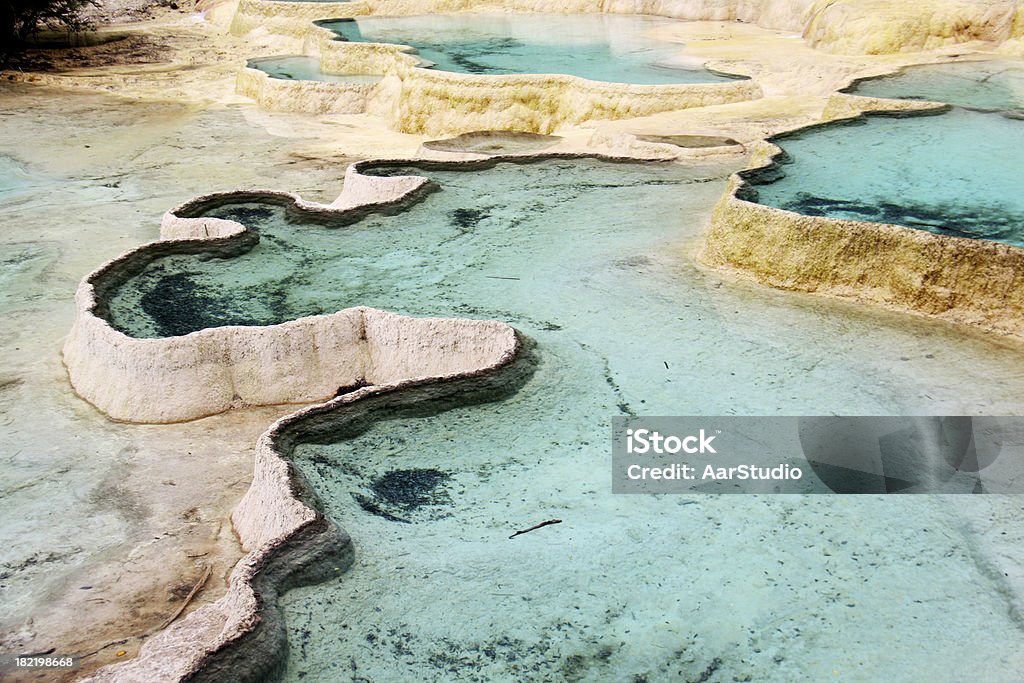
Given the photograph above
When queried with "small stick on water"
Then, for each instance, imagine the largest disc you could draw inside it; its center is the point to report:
(536, 526)
(499, 277)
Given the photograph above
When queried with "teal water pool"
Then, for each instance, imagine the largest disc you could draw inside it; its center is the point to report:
(587, 258)
(995, 84)
(612, 48)
(487, 244)
(302, 68)
(957, 173)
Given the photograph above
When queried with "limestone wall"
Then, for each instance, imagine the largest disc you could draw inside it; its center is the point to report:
(787, 15)
(976, 282)
(360, 189)
(845, 106)
(883, 27)
(415, 100)
(430, 102)
(210, 371)
(289, 18)
(1015, 45)
(437, 103)
(839, 26)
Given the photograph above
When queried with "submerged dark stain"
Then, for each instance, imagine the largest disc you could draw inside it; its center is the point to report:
(246, 215)
(390, 171)
(367, 504)
(467, 219)
(984, 223)
(400, 494)
(465, 57)
(178, 306)
(543, 657)
(714, 666)
(410, 490)
(287, 276)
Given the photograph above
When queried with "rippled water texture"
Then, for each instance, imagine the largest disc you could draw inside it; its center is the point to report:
(301, 68)
(599, 47)
(588, 259)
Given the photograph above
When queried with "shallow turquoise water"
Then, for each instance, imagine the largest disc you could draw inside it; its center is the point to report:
(22, 262)
(489, 244)
(587, 259)
(14, 179)
(986, 85)
(610, 48)
(301, 68)
(958, 173)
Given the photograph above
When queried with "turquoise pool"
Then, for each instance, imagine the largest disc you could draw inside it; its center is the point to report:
(958, 173)
(302, 68)
(613, 48)
(995, 84)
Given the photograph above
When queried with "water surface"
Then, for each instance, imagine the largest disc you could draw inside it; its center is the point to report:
(588, 259)
(995, 84)
(302, 68)
(959, 173)
(613, 48)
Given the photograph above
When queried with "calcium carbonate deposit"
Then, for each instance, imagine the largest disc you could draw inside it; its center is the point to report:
(268, 413)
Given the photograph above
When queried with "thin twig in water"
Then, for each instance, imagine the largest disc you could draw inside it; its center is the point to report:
(536, 526)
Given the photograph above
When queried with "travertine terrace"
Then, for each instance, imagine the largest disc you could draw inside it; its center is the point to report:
(343, 366)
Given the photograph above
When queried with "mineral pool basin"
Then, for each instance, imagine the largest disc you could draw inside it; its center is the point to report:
(303, 68)
(611, 48)
(957, 173)
(992, 85)
(587, 258)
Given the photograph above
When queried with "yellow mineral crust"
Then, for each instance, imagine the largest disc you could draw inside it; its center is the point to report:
(415, 100)
(883, 27)
(307, 97)
(840, 26)
(289, 18)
